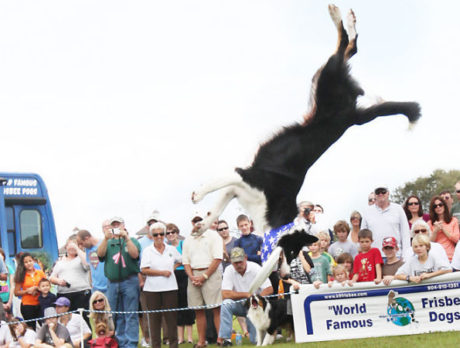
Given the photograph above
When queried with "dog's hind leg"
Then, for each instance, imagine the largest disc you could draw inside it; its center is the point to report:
(352, 47)
(410, 109)
(200, 193)
(227, 195)
(342, 36)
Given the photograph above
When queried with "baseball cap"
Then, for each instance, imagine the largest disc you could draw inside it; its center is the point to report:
(117, 219)
(154, 216)
(382, 186)
(389, 241)
(237, 254)
(50, 312)
(63, 302)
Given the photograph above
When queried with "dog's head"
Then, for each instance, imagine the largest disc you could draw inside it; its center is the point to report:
(255, 303)
(292, 243)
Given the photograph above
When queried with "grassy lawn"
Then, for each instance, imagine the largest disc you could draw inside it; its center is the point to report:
(431, 340)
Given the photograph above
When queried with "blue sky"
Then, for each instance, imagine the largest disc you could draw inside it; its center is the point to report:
(124, 107)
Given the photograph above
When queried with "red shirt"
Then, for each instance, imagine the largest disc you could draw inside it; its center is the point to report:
(364, 265)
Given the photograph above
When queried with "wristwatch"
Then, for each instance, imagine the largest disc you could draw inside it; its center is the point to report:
(408, 278)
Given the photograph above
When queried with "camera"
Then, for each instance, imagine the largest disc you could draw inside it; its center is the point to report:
(67, 284)
(116, 231)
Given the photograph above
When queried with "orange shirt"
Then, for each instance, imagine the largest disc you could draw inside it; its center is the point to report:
(448, 244)
(29, 281)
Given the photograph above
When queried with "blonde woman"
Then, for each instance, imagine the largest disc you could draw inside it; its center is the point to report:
(99, 302)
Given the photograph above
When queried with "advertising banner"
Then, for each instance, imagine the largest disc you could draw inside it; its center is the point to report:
(369, 310)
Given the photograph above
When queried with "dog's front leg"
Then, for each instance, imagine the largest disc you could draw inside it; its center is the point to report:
(269, 339)
(227, 195)
(201, 192)
(260, 336)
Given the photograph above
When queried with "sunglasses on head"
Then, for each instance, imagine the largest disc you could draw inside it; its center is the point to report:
(222, 229)
(380, 191)
(158, 234)
(422, 230)
(98, 301)
(438, 205)
(413, 203)
(170, 232)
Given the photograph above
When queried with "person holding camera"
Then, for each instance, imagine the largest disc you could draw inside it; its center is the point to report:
(121, 256)
(71, 274)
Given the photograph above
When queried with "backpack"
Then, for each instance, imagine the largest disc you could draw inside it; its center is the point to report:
(103, 342)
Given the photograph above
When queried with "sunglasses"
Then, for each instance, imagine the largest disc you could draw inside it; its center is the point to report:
(171, 232)
(222, 229)
(380, 191)
(98, 301)
(413, 203)
(158, 234)
(438, 205)
(354, 218)
(388, 248)
(458, 191)
(371, 200)
(423, 230)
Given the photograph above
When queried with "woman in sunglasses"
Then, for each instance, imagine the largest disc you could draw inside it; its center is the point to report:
(444, 227)
(413, 209)
(185, 319)
(158, 262)
(99, 302)
(437, 250)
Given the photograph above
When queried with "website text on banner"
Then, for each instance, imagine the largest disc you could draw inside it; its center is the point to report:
(369, 310)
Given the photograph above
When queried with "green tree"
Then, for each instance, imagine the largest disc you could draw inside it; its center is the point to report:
(427, 187)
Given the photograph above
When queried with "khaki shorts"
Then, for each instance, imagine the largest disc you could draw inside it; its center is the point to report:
(210, 293)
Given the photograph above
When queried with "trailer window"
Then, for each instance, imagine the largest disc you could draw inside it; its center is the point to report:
(11, 231)
(31, 229)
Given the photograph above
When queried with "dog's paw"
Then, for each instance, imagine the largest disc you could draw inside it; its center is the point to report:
(197, 196)
(268, 339)
(336, 16)
(351, 25)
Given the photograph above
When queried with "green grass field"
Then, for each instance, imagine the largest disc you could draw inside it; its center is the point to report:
(431, 340)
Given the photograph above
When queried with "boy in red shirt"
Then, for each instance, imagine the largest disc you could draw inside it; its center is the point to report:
(367, 265)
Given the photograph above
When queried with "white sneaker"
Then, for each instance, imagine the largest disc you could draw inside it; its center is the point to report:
(279, 336)
(144, 343)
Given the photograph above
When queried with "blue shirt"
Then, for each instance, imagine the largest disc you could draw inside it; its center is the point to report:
(98, 277)
(251, 245)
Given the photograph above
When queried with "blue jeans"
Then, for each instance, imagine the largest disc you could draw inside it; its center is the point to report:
(227, 310)
(124, 296)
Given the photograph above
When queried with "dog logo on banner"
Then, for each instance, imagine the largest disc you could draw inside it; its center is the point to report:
(400, 311)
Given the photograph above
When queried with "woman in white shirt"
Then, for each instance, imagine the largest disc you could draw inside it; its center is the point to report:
(158, 262)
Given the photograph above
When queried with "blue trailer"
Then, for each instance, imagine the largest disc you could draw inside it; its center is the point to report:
(26, 217)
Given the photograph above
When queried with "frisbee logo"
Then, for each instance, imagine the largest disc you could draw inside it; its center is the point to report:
(400, 310)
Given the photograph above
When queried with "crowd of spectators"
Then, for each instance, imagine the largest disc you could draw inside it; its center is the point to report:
(212, 269)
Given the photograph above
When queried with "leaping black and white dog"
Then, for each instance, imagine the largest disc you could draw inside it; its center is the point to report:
(267, 316)
(268, 188)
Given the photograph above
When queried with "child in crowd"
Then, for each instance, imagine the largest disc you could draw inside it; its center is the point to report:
(342, 245)
(324, 241)
(340, 275)
(368, 263)
(423, 265)
(300, 270)
(46, 298)
(322, 268)
(21, 334)
(251, 243)
(346, 260)
(392, 263)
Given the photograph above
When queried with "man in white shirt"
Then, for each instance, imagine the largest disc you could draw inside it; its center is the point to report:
(235, 287)
(387, 219)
